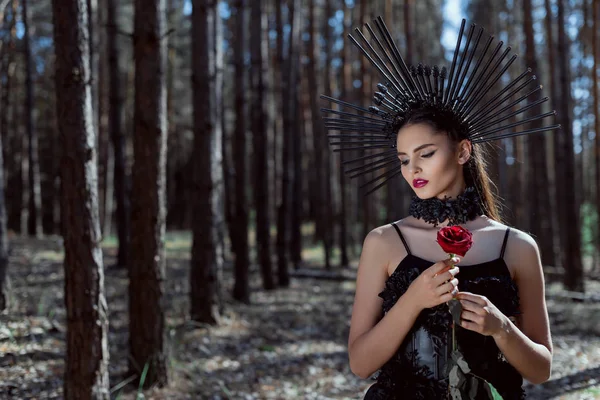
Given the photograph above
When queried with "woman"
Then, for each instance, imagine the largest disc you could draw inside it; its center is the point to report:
(435, 125)
(499, 278)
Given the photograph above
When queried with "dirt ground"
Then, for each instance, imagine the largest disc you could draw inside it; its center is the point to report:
(287, 344)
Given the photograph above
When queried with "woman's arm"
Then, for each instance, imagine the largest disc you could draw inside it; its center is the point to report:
(372, 343)
(528, 349)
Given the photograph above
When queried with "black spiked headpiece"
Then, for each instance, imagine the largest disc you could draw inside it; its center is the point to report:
(458, 95)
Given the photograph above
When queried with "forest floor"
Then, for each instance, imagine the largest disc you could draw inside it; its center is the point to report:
(287, 344)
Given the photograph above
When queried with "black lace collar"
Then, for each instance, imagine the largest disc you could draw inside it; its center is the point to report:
(465, 207)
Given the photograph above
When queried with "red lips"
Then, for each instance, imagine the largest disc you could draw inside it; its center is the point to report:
(419, 183)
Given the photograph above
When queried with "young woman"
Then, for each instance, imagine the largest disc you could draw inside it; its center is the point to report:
(399, 324)
(436, 124)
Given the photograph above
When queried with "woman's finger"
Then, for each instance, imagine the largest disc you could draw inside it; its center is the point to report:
(447, 287)
(471, 316)
(471, 297)
(471, 306)
(446, 276)
(439, 267)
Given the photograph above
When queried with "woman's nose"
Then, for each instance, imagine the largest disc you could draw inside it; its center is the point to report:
(413, 166)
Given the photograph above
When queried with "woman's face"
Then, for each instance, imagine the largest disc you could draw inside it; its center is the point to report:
(431, 163)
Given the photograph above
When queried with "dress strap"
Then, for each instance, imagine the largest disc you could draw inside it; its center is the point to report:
(504, 244)
(401, 237)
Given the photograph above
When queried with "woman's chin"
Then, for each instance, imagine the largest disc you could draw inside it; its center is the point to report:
(423, 193)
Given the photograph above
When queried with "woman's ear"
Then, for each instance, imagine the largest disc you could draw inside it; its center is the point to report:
(465, 147)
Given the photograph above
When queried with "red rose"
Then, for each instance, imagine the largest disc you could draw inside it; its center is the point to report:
(455, 240)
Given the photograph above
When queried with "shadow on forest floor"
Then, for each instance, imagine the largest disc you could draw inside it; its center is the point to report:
(287, 344)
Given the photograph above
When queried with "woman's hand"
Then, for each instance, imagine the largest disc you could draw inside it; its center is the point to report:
(480, 315)
(435, 285)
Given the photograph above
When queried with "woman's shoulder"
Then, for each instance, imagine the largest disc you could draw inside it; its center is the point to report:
(521, 250)
(517, 239)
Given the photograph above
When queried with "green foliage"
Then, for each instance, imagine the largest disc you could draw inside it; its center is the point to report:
(589, 228)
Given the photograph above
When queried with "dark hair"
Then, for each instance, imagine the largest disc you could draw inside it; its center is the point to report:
(475, 171)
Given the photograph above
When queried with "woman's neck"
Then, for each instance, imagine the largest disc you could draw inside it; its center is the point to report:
(448, 211)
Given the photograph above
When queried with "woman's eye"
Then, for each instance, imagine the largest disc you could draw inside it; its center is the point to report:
(403, 162)
(428, 154)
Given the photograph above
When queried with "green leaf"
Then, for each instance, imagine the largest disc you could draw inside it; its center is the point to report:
(455, 309)
(491, 391)
(266, 347)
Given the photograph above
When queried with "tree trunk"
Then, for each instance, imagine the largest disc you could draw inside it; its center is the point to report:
(120, 178)
(239, 232)
(556, 171)
(538, 202)
(284, 211)
(207, 249)
(323, 221)
(573, 278)
(86, 369)
(35, 199)
(146, 264)
(259, 136)
(346, 84)
(596, 112)
(296, 120)
(4, 278)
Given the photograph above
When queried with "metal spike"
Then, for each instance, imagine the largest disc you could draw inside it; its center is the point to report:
(484, 125)
(530, 119)
(376, 162)
(513, 134)
(344, 103)
(350, 115)
(362, 148)
(459, 87)
(385, 33)
(456, 51)
(386, 173)
(482, 73)
(370, 156)
(496, 101)
(454, 82)
(386, 74)
(374, 168)
(396, 172)
(480, 95)
(476, 69)
(405, 85)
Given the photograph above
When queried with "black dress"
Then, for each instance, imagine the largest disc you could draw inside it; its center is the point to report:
(417, 369)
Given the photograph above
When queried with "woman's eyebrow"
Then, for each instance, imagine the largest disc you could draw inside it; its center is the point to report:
(418, 148)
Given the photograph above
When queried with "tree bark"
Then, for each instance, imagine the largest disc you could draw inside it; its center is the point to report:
(323, 208)
(538, 201)
(346, 82)
(571, 253)
(207, 195)
(596, 112)
(86, 370)
(35, 199)
(555, 170)
(147, 250)
(239, 232)
(284, 211)
(297, 129)
(259, 136)
(4, 277)
(120, 178)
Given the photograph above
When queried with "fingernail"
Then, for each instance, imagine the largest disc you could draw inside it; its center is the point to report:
(455, 259)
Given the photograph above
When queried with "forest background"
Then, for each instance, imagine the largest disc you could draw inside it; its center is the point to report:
(171, 215)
